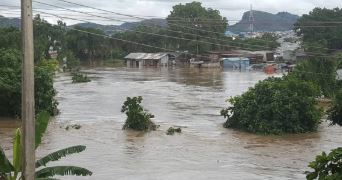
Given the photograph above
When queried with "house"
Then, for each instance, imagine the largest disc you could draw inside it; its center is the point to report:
(147, 59)
(53, 53)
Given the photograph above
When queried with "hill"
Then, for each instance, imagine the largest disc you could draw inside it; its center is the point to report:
(264, 21)
(112, 29)
(108, 29)
(9, 22)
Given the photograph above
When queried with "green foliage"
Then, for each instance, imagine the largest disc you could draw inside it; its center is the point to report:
(10, 38)
(10, 84)
(172, 130)
(5, 164)
(192, 16)
(59, 154)
(42, 121)
(335, 112)
(12, 171)
(44, 90)
(122, 48)
(266, 41)
(72, 63)
(275, 106)
(62, 171)
(137, 117)
(80, 78)
(17, 153)
(320, 71)
(329, 35)
(327, 167)
(86, 46)
(191, 19)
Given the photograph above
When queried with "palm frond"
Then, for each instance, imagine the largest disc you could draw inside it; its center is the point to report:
(62, 171)
(5, 164)
(55, 156)
(17, 153)
(42, 121)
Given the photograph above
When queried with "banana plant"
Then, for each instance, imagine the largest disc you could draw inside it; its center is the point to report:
(12, 171)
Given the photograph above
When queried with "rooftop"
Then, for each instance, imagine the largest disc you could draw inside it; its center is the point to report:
(146, 55)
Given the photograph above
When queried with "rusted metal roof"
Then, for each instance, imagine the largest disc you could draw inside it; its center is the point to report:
(146, 56)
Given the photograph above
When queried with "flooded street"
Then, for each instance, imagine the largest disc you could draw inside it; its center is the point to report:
(190, 98)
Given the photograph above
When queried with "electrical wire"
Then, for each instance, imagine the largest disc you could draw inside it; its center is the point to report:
(171, 36)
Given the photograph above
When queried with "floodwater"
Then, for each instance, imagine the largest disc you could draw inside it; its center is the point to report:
(190, 98)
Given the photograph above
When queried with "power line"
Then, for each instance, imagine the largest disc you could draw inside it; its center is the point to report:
(143, 18)
(180, 38)
(317, 54)
(136, 17)
(176, 31)
(308, 53)
(146, 45)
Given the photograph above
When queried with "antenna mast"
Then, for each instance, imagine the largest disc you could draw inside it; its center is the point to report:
(251, 20)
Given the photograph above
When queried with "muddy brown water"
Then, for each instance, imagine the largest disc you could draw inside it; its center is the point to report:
(190, 98)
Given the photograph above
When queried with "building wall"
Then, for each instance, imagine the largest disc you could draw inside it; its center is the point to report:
(164, 61)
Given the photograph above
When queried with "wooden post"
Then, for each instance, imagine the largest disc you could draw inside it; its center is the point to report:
(28, 122)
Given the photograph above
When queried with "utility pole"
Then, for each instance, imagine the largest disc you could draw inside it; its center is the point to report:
(27, 103)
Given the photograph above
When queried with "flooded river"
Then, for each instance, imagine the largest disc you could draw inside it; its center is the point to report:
(190, 98)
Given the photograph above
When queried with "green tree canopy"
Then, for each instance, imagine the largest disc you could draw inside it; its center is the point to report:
(275, 106)
(87, 46)
(197, 20)
(319, 30)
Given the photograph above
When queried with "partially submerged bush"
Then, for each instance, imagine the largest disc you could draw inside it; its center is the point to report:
(173, 130)
(335, 112)
(327, 166)
(137, 117)
(80, 78)
(275, 106)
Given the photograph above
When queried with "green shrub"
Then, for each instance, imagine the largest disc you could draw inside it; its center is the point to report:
(80, 78)
(327, 167)
(320, 71)
(173, 130)
(275, 106)
(137, 117)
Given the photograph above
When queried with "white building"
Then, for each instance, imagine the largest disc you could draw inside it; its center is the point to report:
(147, 59)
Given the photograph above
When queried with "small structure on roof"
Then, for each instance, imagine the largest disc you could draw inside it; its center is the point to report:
(148, 59)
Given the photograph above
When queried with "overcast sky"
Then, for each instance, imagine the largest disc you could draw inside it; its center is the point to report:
(232, 9)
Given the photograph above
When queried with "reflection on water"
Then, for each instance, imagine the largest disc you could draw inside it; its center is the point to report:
(190, 98)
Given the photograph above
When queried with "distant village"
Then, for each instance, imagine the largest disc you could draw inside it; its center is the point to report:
(283, 58)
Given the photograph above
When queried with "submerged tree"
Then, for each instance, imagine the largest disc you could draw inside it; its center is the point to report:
(275, 106)
(137, 117)
(329, 166)
(197, 22)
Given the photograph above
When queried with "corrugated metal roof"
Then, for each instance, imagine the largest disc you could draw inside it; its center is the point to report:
(145, 55)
